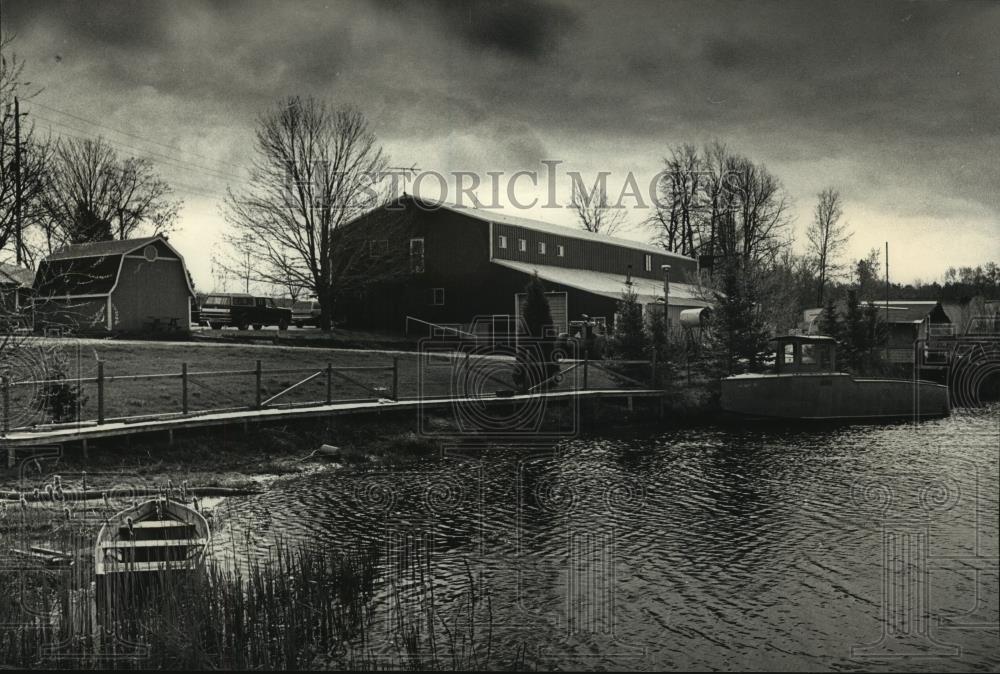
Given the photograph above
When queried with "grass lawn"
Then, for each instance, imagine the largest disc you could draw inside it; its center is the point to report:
(443, 375)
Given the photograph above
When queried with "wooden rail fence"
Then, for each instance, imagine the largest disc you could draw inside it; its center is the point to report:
(188, 378)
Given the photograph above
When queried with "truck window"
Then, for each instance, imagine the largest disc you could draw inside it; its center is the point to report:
(217, 301)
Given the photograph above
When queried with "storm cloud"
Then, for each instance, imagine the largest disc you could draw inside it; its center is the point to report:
(892, 103)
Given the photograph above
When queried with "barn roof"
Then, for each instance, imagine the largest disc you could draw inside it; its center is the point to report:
(12, 275)
(91, 268)
(101, 248)
(77, 276)
(487, 215)
(611, 285)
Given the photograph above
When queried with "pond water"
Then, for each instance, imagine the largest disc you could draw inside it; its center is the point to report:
(721, 547)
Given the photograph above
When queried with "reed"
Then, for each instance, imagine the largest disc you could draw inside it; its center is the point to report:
(297, 608)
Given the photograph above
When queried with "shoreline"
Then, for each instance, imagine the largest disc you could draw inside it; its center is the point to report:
(231, 459)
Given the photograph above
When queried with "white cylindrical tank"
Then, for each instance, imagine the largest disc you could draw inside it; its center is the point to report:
(695, 318)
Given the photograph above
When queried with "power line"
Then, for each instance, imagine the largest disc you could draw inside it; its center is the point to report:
(180, 163)
(132, 135)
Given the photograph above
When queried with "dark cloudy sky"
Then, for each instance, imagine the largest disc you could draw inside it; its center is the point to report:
(897, 105)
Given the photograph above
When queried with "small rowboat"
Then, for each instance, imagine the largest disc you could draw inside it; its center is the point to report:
(152, 537)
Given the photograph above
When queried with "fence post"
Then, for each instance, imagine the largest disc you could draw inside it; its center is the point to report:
(184, 388)
(586, 358)
(395, 378)
(100, 391)
(329, 383)
(652, 375)
(259, 374)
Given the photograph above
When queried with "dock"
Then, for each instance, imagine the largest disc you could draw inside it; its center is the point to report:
(85, 432)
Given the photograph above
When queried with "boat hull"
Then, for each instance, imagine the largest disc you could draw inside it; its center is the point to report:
(833, 396)
(153, 537)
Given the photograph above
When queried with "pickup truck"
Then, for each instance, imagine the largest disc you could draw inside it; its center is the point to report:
(242, 311)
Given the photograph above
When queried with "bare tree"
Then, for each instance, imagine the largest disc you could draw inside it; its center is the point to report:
(828, 238)
(317, 169)
(594, 212)
(34, 157)
(680, 199)
(93, 194)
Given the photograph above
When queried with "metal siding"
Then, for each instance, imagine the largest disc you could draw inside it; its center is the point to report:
(149, 289)
(582, 254)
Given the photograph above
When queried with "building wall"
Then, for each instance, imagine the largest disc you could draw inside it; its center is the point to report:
(584, 254)
(77, 315)
(457, 260)
(148, 290)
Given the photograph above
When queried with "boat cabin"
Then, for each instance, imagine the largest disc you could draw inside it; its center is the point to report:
(805, 353)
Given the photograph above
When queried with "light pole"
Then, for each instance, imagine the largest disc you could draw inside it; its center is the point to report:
(666, 297)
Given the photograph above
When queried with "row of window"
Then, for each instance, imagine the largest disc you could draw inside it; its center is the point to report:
(522, 246)
(417, 252)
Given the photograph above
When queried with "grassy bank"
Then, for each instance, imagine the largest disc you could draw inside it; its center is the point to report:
(236, 387)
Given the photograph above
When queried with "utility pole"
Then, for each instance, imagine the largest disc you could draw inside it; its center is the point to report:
(17, 179)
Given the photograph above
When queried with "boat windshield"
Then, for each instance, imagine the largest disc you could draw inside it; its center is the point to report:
(801, 356)
(816, 357)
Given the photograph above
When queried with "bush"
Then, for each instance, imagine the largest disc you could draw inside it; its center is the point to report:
(60, 398)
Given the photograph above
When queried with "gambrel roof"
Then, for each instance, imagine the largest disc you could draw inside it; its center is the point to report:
(92, 269)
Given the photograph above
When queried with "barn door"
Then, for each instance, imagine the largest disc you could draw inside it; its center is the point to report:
(558, 307)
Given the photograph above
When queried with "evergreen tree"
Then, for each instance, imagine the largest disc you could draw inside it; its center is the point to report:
(855, 333)
(875, 336)
(536, 311)
(829, 321)
(739, 336)
(86, 226)
(630, 340)
(535, 362)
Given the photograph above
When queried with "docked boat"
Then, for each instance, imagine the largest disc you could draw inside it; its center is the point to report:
(151, 537)
(806, 385)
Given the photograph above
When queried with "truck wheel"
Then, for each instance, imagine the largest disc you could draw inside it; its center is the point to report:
(258, 326)
(242, 326)
(298, 324)
(215, 326)
(283, 325)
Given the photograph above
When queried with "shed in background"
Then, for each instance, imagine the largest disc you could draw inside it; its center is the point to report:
(127, 286)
